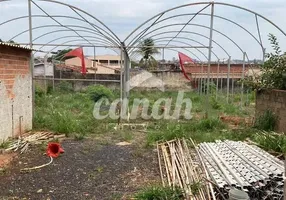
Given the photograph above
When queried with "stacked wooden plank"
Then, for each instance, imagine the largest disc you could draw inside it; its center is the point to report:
(179, 167)
(23, 142)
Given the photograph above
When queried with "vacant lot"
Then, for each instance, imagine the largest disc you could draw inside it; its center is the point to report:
(94, 166)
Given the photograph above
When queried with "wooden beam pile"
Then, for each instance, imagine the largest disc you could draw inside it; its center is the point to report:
(181, 168)
(23, 142)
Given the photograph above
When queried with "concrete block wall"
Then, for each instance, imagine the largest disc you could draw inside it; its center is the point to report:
(274, 100)
(15, 91)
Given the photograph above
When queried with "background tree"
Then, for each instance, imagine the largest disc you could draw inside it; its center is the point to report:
(59, 55)
(273, 70)
(147, 51)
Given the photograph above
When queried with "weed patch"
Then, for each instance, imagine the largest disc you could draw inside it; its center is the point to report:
(160, 193)
(266, 121)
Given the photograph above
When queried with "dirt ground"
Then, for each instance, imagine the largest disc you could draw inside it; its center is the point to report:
(87, 170)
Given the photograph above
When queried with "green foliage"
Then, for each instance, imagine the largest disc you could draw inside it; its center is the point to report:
(208, 125)
(39, 91)
(212, 87)
(134, 64)
(59, 55)
(165, 133)
(4, 145)
(195, 187)
(79, 136)
(266, 121)
(96, 92)
(147, 50)
(161, 132)
(271, 141)
(160, 193)
(273, 70)
(65, 86)
(214, 103)
(69, 113)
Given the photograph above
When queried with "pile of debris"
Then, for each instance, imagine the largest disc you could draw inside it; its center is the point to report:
(181, 168)
(23, 142)
(245, 167)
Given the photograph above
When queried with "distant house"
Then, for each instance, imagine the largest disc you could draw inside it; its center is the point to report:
(101, 64)
(40, 69)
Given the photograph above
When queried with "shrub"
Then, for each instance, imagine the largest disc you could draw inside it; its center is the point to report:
(266, 121)
(39, 91)
(208, 125)
(166, 133)
(160, 193)
(271, 141)
(214, 103)
(96, 92)
(273, 70)
(212, 87)
(65, 86)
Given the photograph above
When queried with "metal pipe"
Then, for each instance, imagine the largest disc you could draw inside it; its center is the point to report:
(217, 74)
(228, 72)
(242, 79)
(232, 86)
(71, 79)
(111, 46)
(31, 58)
(210, 56)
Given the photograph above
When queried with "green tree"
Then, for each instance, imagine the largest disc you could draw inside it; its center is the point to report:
(147, 51)
(59, 55)
(273, 70)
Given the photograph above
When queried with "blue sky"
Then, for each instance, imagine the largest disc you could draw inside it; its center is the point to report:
(123, 16)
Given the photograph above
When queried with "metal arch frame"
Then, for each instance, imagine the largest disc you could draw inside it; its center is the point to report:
(57, 31)
(195, 33)
(137, 53)
(58, 45)
(189, 39)
(178, 41)
(202, 3)
(63, 37)
(206, 14)
(46, 26)
(59, 16)
(78, 9)
(199, 25)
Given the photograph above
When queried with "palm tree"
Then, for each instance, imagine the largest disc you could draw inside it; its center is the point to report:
(147, 50)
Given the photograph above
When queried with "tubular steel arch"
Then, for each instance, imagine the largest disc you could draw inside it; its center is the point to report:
(158, 16)
(195, 33)
(198, 25)
(64, 37)
(62, 16)
(185, 38)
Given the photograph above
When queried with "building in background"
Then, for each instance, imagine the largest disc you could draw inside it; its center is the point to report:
(42, 68)
(15, 91)
(101, 64)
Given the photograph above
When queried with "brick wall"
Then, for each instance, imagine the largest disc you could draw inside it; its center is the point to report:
(274, 100)
(15, 91)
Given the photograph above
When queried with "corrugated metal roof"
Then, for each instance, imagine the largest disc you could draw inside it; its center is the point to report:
(15, 45)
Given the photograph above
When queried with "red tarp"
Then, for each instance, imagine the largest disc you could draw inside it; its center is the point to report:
(183, 59)
(78, 53)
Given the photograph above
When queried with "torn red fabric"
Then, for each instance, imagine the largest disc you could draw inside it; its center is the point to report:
(78, 53)
(183, 59)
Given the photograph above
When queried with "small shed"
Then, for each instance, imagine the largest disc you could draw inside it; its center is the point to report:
(15, 90)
